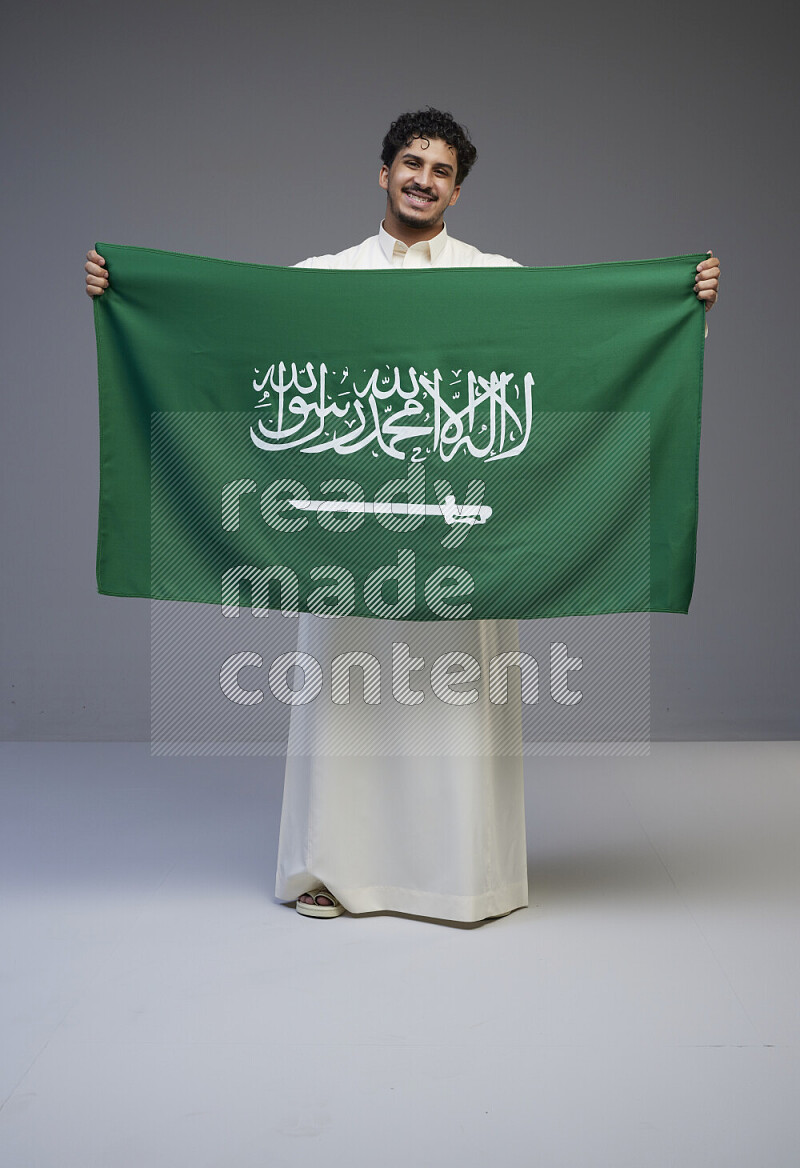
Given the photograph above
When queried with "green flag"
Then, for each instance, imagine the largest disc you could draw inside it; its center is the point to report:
(419, 445)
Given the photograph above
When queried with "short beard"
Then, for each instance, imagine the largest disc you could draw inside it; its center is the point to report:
(410, 220)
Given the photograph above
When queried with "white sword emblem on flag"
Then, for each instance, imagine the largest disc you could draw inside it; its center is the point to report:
(449, 510)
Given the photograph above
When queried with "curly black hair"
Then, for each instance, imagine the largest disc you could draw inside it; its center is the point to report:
(430, 123)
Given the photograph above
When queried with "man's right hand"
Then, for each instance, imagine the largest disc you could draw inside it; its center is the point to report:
(96, 274)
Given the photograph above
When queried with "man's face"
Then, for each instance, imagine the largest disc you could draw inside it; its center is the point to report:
(421, 182)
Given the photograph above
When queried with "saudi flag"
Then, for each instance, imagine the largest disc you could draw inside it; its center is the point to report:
(443, 444)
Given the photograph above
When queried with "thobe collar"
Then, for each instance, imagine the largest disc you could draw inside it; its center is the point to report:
(432, 248)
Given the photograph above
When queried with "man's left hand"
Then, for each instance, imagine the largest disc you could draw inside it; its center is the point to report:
(706, 281)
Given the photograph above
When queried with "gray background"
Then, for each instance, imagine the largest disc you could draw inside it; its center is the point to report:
(252, 132)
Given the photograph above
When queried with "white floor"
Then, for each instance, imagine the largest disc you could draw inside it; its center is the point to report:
(160, 1009)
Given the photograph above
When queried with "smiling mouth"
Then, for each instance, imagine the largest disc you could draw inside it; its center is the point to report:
(418, 199)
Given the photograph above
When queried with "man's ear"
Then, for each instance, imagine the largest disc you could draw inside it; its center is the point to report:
(383, 177)
(454, 196)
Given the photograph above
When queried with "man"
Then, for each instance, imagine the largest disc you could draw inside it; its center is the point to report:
(439, 834)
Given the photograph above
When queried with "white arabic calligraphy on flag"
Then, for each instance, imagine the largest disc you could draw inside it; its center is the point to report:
(400, 412)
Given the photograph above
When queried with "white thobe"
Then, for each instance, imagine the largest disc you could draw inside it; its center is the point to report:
(381, 825)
